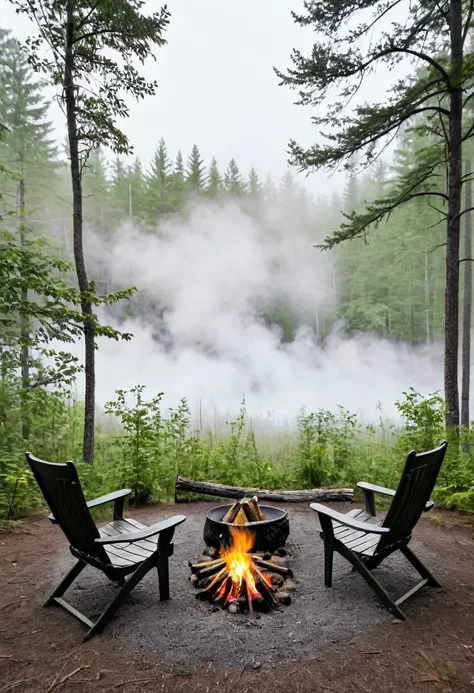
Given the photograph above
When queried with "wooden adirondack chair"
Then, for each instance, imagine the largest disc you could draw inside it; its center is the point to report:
(120, 548)
(365, 541)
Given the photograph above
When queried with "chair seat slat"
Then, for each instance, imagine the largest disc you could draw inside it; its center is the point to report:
(149, 544)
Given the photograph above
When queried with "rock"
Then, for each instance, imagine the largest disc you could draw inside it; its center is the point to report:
(290, 585)
(277, 580)
(211, 552)
(283, 597)
(233, 608)
(204, 559)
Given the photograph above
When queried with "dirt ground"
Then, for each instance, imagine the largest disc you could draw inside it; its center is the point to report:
(334, 640)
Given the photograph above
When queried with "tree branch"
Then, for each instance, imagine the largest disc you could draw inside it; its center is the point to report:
(468, 133)
(469, 209)
(357, 146)
(98, 32)
(417, 54)
(86, 18)
(434, 193)
(440, 245)
(467, 25)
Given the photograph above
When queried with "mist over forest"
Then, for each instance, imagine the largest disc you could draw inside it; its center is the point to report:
(225, 304)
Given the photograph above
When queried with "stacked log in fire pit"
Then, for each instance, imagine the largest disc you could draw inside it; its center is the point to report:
(236, 577)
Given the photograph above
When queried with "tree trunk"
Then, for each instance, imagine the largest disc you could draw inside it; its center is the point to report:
(467, 305)
(24, 331)
(76, 178)
(451, 319)
(427, 300)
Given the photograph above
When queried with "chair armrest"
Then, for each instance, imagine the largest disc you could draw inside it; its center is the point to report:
(101, 500)
(376, 489)
(372, 488)
(348, 521)
(109, 497)
(144, 533)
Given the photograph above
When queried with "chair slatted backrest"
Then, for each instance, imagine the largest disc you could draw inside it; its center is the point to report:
(414, 490)
(62, 491)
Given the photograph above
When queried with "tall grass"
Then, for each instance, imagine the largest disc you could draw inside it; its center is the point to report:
(141, 446)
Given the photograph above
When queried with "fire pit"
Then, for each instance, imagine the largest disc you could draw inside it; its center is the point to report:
(270, 534)
(244, 565)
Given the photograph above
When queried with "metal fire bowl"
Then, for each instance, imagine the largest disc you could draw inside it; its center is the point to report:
(270, 534)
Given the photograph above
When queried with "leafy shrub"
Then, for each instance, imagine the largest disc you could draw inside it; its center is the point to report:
(148, 448)
(324, 447)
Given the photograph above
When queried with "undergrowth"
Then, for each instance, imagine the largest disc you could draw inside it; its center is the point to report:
(148, 447)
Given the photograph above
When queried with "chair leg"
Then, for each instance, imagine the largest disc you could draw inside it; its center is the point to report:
(419, 566)
(164, 551)
(371, 581)
(328, 562)
(119, 598)
(65, 583)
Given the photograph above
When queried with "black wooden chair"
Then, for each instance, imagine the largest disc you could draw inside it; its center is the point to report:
(366, 541)
(120, 548)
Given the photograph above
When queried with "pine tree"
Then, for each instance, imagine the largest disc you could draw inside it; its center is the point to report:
(287, 189)
(351, 195)
(254, 186)
(121, 202)
(378, 179)
(158, 182)
(233, 182)
(177, 189)
(270, 192)
(214, 185)
(92, 54)
(29, 149)
(435, 33)
(178, 169)
(137, 193)
(195, 178)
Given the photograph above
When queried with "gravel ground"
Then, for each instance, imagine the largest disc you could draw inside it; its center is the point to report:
(187, 631)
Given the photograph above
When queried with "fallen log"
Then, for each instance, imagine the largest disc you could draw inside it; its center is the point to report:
(303, 496)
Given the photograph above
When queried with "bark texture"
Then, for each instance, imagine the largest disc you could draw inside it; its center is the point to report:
(76, 179)
(451, 324)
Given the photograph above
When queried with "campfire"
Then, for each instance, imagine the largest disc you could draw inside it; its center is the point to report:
(236, 578)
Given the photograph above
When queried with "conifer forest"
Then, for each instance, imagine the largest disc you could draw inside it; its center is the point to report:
(102, 251)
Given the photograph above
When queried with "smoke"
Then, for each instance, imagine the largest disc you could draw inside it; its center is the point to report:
(204, 282)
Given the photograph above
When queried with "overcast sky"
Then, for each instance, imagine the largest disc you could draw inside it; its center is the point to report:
(217, 87)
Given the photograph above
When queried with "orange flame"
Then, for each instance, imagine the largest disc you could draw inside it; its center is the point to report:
(241, 569)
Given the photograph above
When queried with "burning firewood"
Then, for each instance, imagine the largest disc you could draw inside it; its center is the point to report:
(197, 567)
(241, 580)
(271, 565)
